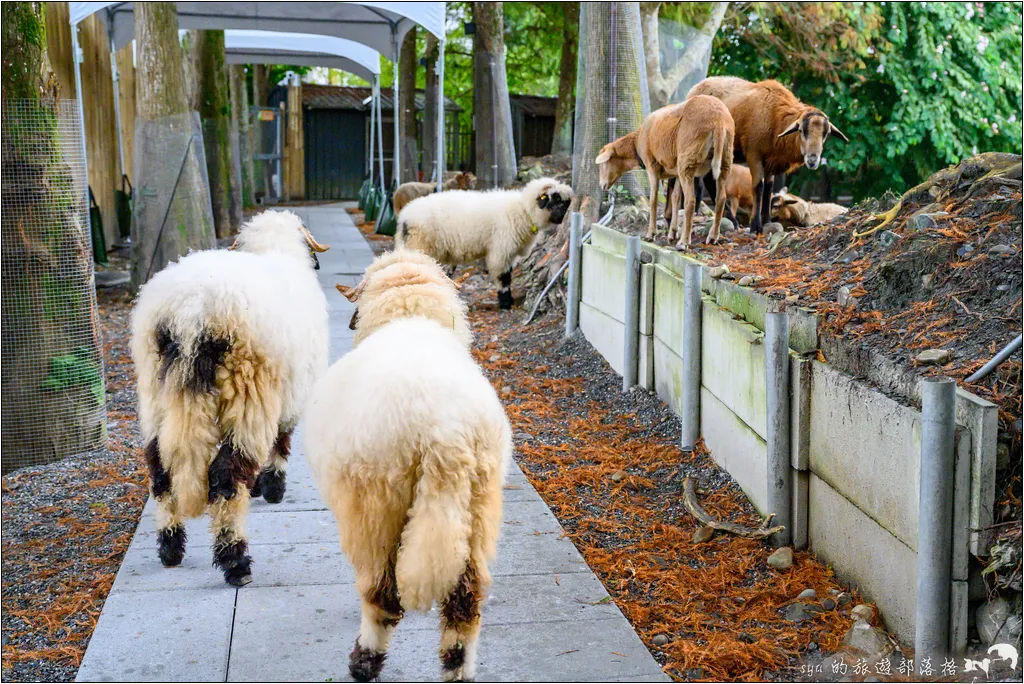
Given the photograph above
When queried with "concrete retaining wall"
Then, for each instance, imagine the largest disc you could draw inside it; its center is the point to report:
(855, 451)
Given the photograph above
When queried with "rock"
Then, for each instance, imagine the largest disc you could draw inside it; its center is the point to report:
(1000, 250)
(781, 559)
(887, 238)
(745, 281)
(934, 357)
(660, 640)
(792, 298)
(964, 250)
(773, 227)
(725, 225)
(844, 599)
(845, 298)
(850, 257)
(1004, 287)
(927, 281)
(695, 673)
(863, 612)
(997, 623)
(1002, 457)
(746, 638)
(776, 238)
(807, 594)
(923, 222)
(865, 642)
(703, 534)
(106, 279)
(718, 271)
(506, 389)
(619, 475)
(494, 357)
(828, 604)
(796, 612)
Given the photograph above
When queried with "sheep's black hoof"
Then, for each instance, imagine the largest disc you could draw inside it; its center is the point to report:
(256, 491)
(172, 545)
(234, 561)
(505, 300)
(364, 665)
(272, 485)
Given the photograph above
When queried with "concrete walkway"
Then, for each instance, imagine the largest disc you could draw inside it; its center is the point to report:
(548, 617)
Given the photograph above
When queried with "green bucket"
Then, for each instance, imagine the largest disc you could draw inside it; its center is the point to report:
(387, 222)
(99, 242)
(364, 192)
(123, 202)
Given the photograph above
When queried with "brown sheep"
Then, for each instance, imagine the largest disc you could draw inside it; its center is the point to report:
(685, 141)
(407, 192)
(739, 193)
(767, 115)
(790, 210)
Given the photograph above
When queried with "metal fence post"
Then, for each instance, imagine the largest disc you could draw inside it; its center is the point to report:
(572, 294)
(780, 475)
(631, 328)
(935, 518)
(691, 355)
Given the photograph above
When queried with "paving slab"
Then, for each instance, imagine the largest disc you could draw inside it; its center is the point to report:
(548, 618)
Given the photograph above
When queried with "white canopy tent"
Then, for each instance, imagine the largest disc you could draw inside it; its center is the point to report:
(379, 25)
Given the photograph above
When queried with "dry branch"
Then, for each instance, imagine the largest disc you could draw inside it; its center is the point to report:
(694, 507)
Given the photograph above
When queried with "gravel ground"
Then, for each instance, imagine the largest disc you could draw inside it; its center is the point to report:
(67, 526)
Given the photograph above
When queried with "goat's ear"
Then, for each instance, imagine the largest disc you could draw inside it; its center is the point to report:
(793, 128)
(351, 293)
(784, 190)
(838, 132)
(790, 199)
(603, 157)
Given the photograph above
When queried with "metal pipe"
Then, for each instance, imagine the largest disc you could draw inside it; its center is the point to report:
(1004, 354)
(396, 164)
(631, 341)
(494, 126)
(373, 125)
(81, 127)
(935, 518)
(380, 137)
(439, 152)
(780, 475)
(575, 263)
(691, 355)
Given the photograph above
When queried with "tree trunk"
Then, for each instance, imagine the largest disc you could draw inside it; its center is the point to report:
(214, 111)
(126, 98)
(241, 125)
(611, 91)
(561, 143)
(664, 80)
(492, 114)
(407, 107)
(430, 103)
(172, 212)
(100, 122)
(52, 371)
(260, 92)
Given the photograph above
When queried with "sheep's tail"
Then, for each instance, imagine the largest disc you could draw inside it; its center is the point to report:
(719, 145)
(435, 546)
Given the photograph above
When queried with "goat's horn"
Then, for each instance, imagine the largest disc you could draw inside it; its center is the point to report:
(838, 132)
(313, 244)
(792, 128)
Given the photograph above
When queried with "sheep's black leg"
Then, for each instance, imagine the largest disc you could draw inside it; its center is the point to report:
(698, 192)
(171, 535)
(271, 482)
(766, 199)
(460, 628)
(232, 474)
(755, 214)
(505, 300)
(382, 611)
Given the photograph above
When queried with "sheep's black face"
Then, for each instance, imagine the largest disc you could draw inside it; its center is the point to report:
(556, 205)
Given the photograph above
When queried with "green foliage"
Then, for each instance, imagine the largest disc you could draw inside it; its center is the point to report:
(915, 86)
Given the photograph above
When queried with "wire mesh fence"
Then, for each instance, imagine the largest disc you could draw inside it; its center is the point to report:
(611, 91)
(266, 125)
(51, 359)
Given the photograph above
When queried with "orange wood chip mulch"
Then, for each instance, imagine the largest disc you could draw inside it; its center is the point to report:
(718, 602)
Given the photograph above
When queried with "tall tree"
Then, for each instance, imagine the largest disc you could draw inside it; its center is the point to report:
(174, 214)
(407, 107)
(561, 143)
(52, 382)
(212, 99)
(495, 151)
(663, 80)
(430, 104)
(612, 93)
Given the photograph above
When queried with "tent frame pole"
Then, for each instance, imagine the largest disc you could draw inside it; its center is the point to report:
(380, 137)
(373, 124)
(396, 166)
(439, 152)
(115, 76)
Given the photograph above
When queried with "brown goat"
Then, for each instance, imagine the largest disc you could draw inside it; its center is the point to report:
(767, 115)
(739, 192)
(685, 141)
(407, 192)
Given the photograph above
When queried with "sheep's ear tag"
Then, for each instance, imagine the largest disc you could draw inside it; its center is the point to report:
(535, 229)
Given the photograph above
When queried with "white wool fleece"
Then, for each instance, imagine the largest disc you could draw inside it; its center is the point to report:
(264, 294)
(461, 226)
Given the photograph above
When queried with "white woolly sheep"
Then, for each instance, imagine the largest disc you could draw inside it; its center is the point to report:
(227, 346)
(409, 445)
(461, 226)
